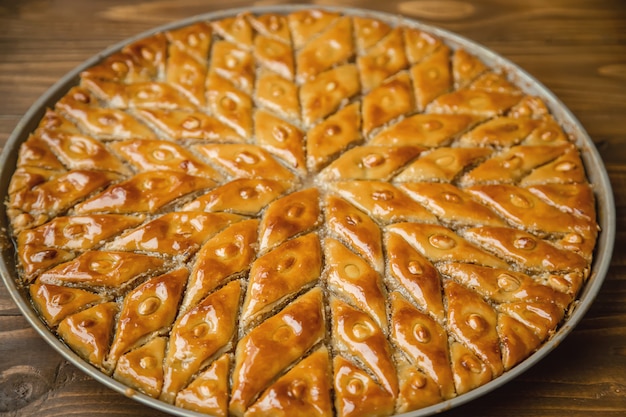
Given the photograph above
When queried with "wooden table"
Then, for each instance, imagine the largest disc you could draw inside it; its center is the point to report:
(577, 48)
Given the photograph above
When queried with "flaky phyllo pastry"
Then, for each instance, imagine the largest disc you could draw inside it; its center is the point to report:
(310, 214)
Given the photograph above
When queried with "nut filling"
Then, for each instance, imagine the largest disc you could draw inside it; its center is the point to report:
(305, 214)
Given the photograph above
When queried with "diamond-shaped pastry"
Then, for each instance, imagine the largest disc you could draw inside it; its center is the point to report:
(317, 212)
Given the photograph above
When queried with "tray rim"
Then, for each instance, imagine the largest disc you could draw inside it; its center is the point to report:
(594, 166)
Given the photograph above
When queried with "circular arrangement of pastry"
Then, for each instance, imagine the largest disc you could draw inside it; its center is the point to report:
(310, 213)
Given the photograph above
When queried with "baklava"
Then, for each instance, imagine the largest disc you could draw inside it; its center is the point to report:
(303, 214)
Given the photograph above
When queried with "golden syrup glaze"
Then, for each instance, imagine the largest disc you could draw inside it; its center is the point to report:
(309, 213)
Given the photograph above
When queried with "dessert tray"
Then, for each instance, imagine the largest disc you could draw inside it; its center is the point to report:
(296, 211)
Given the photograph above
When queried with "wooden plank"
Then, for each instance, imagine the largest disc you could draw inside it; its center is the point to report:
(575, 47)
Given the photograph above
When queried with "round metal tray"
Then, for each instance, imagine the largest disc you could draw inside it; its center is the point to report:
(596, 173)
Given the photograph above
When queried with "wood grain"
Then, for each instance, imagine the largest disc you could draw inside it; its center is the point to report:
(577, 48)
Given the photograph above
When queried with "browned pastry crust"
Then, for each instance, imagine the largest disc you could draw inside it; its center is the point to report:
(473, 321)
(331, 136)
(208, 393)
(81, 105)
(529, 251)
(465, 67)
(468, 370)
(481, 103)
(432, 76)
(442, 164)
(541, 316)
(301, 214)
(289, 216)
(419, 44)
(303, 391)
(518, 341)
(108, 269)
(521, 207)
(503, 286)
(323, 94)
(416, 274)
(356, 228)
(142, 94)
(368, 32)
(89, 332)
(416, 390)
(386, 58)
(334, 46)
(139, 61)
(182, 125)
(513, 164)
(242, 196)
(272, 25)
(277, 94)
(78, 151)
(157, 298)
(146, 192)
(223, 256)
(500, 132)
(28, 177)
(369, 163)
(142, 368)
(566, 169)
(79, 232)
(233, 63)
(34, 152)
(198, 335)
(429, 130)
(438, 243)
(424, 342)
(55, 302)
(388, 101)
(306, 24)
(174, 233)
(236, 29)
(245, 161)
(499, 81)
(34, 206)
(161, 155)
(281, 272)
(273, 345)
(382, 201)
(352, 278)
(281, 138)
(355, 334)
(229, 104)
(357, 393)
(185, 66)
(452, 205)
